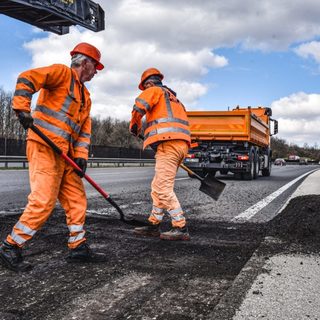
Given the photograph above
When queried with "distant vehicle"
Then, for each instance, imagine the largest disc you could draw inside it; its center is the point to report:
(303, 161)
(279, 162)
(293, 157)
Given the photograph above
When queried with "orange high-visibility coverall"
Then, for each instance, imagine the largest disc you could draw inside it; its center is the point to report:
(167, 127)
(63, 114)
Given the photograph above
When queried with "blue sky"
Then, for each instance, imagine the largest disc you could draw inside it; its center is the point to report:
(259, 78)
(216, 54)
(13, 56)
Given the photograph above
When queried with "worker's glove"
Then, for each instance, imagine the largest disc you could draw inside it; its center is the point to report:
(25, 119)
(82, 164)
(134, 130)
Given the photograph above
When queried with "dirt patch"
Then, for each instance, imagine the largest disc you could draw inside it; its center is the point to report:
(145, 278)
(299, 223)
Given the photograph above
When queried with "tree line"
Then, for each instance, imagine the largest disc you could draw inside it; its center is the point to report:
(106, 132)
(113, 132)
(282, 149)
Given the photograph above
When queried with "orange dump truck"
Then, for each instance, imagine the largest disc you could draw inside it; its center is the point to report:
(236, 141)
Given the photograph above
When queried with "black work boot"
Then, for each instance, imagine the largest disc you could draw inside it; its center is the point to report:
(176, 234)
(151, 230)
(83, 253)
(11, 258)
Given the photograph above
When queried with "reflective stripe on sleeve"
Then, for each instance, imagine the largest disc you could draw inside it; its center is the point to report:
(81, 144)
(27, 83)
(85, 135)
(23, 93)
(136, 108)
(144, 103)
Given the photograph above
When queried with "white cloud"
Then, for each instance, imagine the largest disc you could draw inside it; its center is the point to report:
(299, 118)
(180, 38)
(309, 50)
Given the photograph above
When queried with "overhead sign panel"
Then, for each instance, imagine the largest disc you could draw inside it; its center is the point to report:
(56, 15)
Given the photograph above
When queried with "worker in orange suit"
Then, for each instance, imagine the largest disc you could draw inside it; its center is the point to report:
(167, 132)
(62, 113)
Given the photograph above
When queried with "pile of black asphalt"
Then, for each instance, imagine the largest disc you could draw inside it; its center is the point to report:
(147, 278)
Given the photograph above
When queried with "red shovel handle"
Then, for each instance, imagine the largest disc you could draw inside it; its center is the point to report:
(92, 182)
(74, 165)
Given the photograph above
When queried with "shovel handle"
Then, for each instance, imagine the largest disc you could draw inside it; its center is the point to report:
(132, 222)
(73, 164)
(190, 171)
(67, 159)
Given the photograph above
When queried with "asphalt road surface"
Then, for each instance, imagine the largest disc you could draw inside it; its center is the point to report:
(148, 278)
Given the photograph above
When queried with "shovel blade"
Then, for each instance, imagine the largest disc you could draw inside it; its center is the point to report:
(212, 187)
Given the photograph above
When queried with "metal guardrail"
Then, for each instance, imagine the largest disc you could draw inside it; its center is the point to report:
(92, 162)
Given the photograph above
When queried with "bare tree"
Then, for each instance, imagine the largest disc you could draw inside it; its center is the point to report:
(121, 136)
(9, 125)
(101, 130)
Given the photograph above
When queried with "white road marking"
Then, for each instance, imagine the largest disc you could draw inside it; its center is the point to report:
(253, 210)
(182, 178)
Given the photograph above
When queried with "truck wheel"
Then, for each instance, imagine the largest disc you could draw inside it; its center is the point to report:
(255, 166)
(253, 169)
(266, 172)
(258, 166)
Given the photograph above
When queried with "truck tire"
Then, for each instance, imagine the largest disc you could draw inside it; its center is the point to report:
(252, 174)
(256, 165)
(266, 172)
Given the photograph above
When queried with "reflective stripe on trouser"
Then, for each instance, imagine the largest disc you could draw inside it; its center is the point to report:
(51, 178)
(168, 157)
(156, 215)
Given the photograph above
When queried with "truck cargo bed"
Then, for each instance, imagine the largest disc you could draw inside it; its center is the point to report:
(250, 124)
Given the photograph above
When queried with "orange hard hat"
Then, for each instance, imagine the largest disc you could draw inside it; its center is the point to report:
(148, 73)
(89, 51)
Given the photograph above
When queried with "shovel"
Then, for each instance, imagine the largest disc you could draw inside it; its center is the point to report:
(55, 148)
(210, 185)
